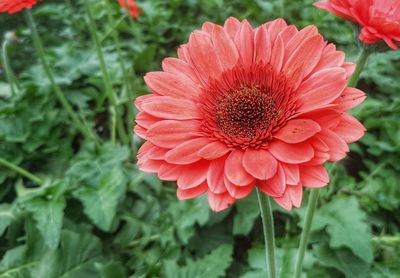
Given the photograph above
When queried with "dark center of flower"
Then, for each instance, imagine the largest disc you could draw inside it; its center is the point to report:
(243, 112)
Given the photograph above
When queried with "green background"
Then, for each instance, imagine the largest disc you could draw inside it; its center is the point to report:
(97, 216)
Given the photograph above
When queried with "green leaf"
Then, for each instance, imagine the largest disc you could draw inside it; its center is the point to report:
(76, 257)
(6, 217)
(100, 203)
(48, 215)
(13, 264)
(343, 260)
(213, 265)
(248, 211)
(345, 223)
(14, 129)
(111, 270)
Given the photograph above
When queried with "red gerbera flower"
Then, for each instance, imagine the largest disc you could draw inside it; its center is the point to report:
(133, 8)
(243, 108)
(379, 19)
(14, 6)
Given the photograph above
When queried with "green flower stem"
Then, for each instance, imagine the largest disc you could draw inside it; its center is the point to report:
(282, 2)
(21, 171)
(113, 27)
(269, 235)
(128, 84)
(305, 235)
(131, 20)
(361, 62)
(9, 73)
(88, 133)
(106, 77)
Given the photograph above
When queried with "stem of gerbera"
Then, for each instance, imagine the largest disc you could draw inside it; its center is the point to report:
(305, 235)
(9, 73)
(21, 171)
(269, 235)
(116, 124)
(282, 4)
(127, 82)
(88, 133)
(361, 62)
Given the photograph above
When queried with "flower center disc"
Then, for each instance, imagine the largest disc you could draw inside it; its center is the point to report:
(244, 111)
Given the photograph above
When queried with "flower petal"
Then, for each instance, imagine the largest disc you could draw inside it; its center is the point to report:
(202, 52)
(349, 129)
(259, 163)
(169, 133)
(168, 84)
(291, 153)
(193, 175)
(219, 202)
(186, 153)
(297, 130)
(292, 173)
(225, 48)
(170, 108)
(238, 192)
(276, 185)
(213, 150)
(235, 171)
(184, 194)
(215, 176)
(314, 176)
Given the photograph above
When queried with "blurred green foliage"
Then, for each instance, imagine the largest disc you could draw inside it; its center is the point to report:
(96, 215)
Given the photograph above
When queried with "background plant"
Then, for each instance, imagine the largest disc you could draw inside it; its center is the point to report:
(91, 213)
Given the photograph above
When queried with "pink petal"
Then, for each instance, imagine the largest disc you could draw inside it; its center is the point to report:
(179, 68)
(213, 150)
(275, 27)
(234, 169)
(225, 48)
(168, 84)
(232, 26)
(169, 133)
(296, 195)
(193, 175)
(284, 201)
(262, 45)
(276, 185)
(238, 192)
(297, 130)
(186, 153)
(215, 176)
(292, 173)
(203, 53)
(192, 192)
(299, 37)
(169, 172)
(326, 118)
(259, 163)
(291, 153)
(208, 27)
(170, 108)
(350, 98)
(349, 129)
(245, 43)
(314, 176)
(304, 59)
(219, 202)
(337, 146)
(278, 54)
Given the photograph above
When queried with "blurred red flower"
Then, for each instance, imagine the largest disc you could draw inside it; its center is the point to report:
(242, 108)
(379, 19)
(14, 6)
(134, 10)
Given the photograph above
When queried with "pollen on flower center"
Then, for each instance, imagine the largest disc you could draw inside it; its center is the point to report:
(242, 112)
